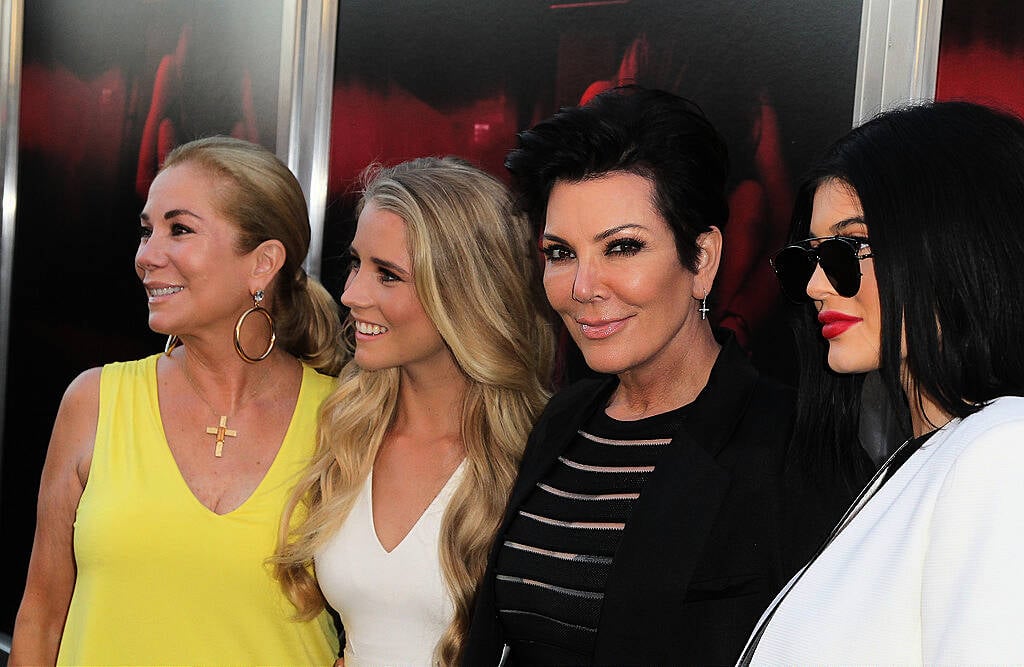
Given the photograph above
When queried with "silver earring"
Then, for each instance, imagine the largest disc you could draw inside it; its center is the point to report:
(704, 310)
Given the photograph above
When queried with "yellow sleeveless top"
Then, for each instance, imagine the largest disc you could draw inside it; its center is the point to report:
(161, 578)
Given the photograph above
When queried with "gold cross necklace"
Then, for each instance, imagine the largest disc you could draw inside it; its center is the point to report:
(221, 430)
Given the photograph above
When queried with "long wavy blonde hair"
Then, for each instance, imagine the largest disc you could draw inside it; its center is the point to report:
(478, 278)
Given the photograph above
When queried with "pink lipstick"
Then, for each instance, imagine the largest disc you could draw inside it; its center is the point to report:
(599, 329)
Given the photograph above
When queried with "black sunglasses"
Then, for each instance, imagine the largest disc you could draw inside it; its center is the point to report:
(837, 255)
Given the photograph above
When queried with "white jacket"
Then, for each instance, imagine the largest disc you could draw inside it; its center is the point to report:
(930, 570)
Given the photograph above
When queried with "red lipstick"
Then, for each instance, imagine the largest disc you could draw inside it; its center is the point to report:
(834, 322)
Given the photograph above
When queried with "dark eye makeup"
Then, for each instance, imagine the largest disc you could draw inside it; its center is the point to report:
(624, 246)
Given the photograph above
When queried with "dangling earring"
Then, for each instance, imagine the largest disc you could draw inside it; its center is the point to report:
(256, 308)
(704, 310)
(172, 342)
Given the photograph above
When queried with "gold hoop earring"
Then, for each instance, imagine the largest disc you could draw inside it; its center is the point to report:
(172, 342)
(256, 308)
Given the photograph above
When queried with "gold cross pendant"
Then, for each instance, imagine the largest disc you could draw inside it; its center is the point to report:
(221, 431)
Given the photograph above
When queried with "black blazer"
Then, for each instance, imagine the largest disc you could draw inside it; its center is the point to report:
(718, 529)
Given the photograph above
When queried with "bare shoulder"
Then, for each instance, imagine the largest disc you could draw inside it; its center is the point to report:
(85, 386)
(80, 406)
(74, 430)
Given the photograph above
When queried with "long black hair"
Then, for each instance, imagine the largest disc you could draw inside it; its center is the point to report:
(941, 186)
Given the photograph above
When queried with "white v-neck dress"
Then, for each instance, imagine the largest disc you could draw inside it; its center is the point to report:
(394, 605)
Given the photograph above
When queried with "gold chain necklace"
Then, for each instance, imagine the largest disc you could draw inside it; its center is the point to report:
(221, 430)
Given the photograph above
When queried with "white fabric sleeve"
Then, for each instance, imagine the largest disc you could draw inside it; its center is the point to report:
(972, 594)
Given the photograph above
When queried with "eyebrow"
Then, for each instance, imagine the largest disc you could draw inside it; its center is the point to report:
(843, 224)
(381, 262)
(615, 230)
(598, 237)
(173, 213)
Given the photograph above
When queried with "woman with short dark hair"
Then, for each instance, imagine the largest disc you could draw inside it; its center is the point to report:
(653, 517)
(909, 251)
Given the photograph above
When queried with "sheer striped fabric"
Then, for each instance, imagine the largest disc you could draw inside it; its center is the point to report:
(559, 549)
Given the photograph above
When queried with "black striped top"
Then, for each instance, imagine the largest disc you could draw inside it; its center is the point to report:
(558, 551)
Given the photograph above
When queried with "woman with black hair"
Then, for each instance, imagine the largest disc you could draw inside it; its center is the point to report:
(911, 261)
(654, 515)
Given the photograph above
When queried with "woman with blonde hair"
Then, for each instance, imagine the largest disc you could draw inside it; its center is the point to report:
(419, 445)
(166, 477)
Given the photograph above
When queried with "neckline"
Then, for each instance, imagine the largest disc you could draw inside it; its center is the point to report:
(444, 492)
(271, 471)
(668, 421)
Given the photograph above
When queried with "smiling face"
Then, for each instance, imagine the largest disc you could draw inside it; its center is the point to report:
(392, 329)
(852, 325)
(613, 274)
(187, 258)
